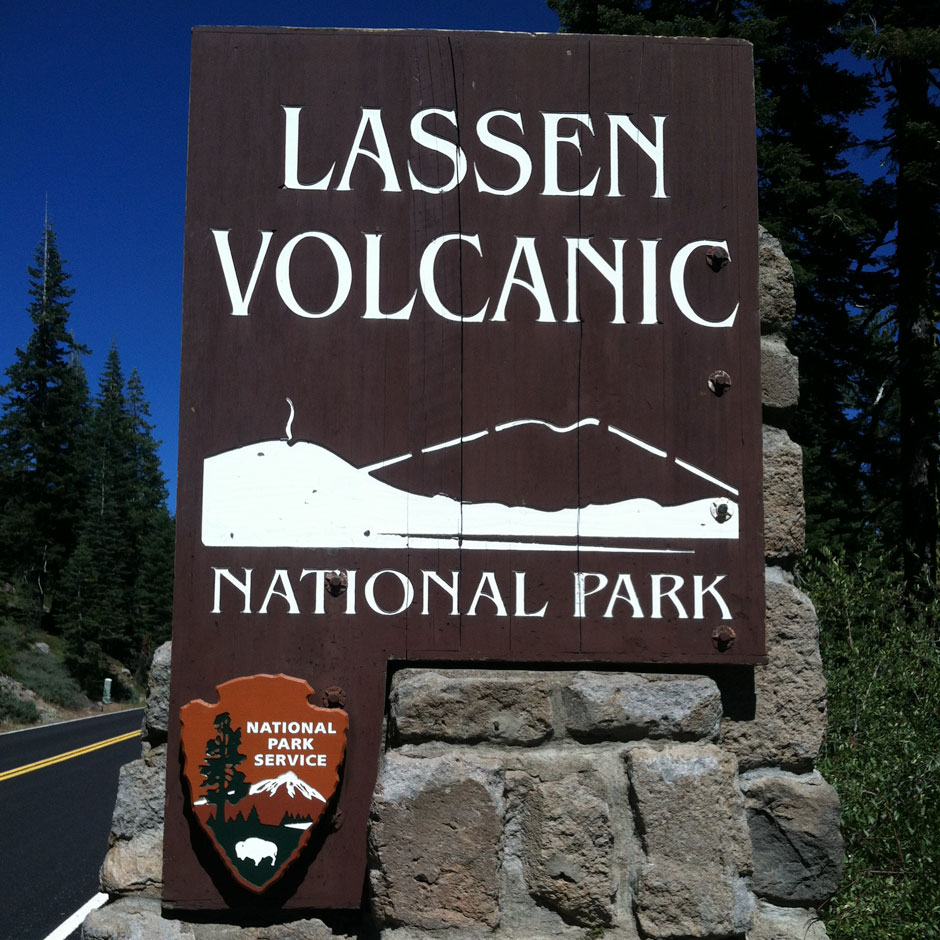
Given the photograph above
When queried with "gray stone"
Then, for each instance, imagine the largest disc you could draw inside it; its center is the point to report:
(434, 842)
(777, 303)
(786, 923)
(139, 803)
(567, 847)
(784, 511)
(134, 866)
(633, 706)
(691, 817)
(779, 375)
(304, 929)
(503, 707)
(556, 780)
(134, 861)
(795, 836)
(136, 918)
(157, 714)
(789, 719)
(140, 918)
(41, 647)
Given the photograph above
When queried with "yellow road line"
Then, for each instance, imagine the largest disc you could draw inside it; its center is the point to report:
(68, 755)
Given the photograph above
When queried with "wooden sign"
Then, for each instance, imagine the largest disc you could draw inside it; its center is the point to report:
(262, 767)
(470, 371)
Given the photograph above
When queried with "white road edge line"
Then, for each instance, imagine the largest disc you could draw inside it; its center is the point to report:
(69, 721)
(67, 926)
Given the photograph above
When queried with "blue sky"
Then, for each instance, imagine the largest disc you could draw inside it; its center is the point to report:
(94, 101)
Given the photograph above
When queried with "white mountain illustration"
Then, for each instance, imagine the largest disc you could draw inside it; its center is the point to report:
(283, 493)
(291, 782)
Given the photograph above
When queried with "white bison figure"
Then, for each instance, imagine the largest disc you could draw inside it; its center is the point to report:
(256, 849)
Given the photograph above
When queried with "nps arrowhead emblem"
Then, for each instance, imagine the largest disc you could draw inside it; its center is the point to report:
(262, 767)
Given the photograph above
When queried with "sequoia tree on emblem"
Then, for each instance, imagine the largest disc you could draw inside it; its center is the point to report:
(262, 767)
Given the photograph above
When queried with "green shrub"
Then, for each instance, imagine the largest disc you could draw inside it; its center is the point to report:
(882, 752)
(47, 677)
(15, 710)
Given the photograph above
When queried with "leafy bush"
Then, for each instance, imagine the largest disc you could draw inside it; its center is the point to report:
(882, 660)
(16, 710)
(47, 677)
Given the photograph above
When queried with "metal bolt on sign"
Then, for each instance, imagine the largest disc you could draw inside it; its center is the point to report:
(336, 582)
(717, 258)
(723, 638)
(719, 382)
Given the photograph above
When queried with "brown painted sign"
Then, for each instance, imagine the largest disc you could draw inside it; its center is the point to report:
(470, 372)
(262, 767)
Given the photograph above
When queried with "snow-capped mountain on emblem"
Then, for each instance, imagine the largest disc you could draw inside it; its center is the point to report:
(263, 768)
(291, 783)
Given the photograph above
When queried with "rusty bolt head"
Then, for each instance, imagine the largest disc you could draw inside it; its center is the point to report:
(333, 697)
(717, 258)
(336, 582)
(719, 382)
(723, 638)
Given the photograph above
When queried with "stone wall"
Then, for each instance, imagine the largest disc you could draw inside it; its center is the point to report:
(535, 804)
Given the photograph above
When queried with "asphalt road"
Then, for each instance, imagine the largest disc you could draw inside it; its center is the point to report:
(55, 819)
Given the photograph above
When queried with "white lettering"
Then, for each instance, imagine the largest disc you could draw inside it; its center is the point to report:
(659, 594)
(508, 148)
(243, 586)
(343, 275)
(286, 592)
(371, 119)
(552, 140)
(238, 299)
(626, 582)
(444, 147)
(408, 592)
(520, 610)
(488, 578)
(373, 277)
(655, 151)
(677, 283)
(580, 589)
(537, 288)
(699, 595)
(612, 273)
(426, 275)
(292, 151)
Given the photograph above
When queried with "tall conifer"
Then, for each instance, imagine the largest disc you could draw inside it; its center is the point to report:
(43, 471)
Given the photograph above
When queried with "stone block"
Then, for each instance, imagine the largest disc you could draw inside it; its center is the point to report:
(140, 918)
(134, 866)
(135, 918)
(775, 280)
(786, 923)
(779, 374)
(157, 713)
(784, 511)
(633, 706)
(134, 861)
(691, 816)
(567, 846)
(468, 706)
(789, 719)
(434, 842)
(795, 836)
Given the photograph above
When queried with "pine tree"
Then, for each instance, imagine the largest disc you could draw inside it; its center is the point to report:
(223, 781)
(95, 581)
(825, 216)
(902, 43)
(152, 530)
(43, 438)
(118, 583)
